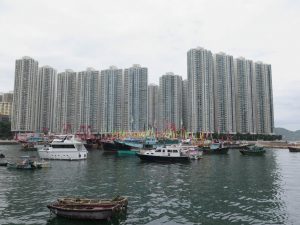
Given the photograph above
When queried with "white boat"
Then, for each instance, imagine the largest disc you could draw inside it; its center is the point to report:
(172, 153)
(64, 147)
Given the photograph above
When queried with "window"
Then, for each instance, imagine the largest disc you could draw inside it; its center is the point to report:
(62, 146)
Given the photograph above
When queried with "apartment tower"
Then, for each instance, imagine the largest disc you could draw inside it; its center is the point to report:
(110, 114)
(200, 70)
(24, 97)
(135, 114)
(170, 102)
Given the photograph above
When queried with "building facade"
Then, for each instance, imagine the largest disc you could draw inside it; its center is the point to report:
(6, 100)
(200, 70)
(87, 101)
(244, 78)
(185, 100)
(45, 99)
(65, 102)
(224, 93)
(24, 102)
(111, 91)
(170, 102)
(135, 114)
(263, 98)
(153, 106)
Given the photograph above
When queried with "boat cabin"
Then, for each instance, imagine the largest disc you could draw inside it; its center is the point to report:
(165, 151)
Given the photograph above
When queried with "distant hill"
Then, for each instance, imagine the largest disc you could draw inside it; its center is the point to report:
(287, 134)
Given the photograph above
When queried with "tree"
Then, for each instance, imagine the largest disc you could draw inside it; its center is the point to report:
(5, 132)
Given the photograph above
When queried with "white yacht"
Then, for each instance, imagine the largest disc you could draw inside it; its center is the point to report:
(64, 147)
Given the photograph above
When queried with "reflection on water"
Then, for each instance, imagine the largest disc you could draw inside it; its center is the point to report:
(219, 189)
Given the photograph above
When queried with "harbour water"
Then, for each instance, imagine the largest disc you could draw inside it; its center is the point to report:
(218, 189)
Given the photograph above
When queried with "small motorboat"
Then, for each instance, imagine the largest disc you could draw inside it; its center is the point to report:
(172, 153)
(294, 149)
(253, 150)
(25, 163)
(43, 164)
(2, 156)
(89, 209)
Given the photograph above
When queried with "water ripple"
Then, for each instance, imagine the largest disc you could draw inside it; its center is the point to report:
(216, 190)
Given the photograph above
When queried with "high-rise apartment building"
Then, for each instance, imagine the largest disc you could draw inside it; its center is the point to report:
(200, 68)
(45, 99)
(111, 91)
(153, 106)
(24, 97)
(170, 102)
(5, 108)
(224, 93)
(6, 100)
(263, 98)
(135, 98)
(185, 100)
(87, 101)
(8, 97)
(244, 77)
(65, 102)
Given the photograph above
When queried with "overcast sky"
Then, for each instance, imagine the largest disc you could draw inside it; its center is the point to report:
(156, 34)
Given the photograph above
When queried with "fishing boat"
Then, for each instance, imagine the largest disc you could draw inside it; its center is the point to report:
(129, 144)
(3, 162)
(294, 149)
(123, 201)
(164, 154)
(215, 148)
(253, 150)
(64, 147)
(25, 163)
(90, 209)
(33, 143)
(135, 143)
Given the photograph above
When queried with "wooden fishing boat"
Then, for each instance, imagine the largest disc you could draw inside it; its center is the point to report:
(253, 150)
(25, 163)
(90, 209)
(119, 200)
(215, 148)
(294, 149)
(85, 212)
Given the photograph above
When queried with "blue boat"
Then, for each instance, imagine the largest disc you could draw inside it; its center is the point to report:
(130, 144)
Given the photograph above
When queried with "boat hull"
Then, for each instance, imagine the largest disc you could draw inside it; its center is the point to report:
(62, 155)
(84, 213)
(215, 151)
(124, 146)
(249, 152)
(294, 149)
(110, 146)
(3, 163)
(152, 158)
